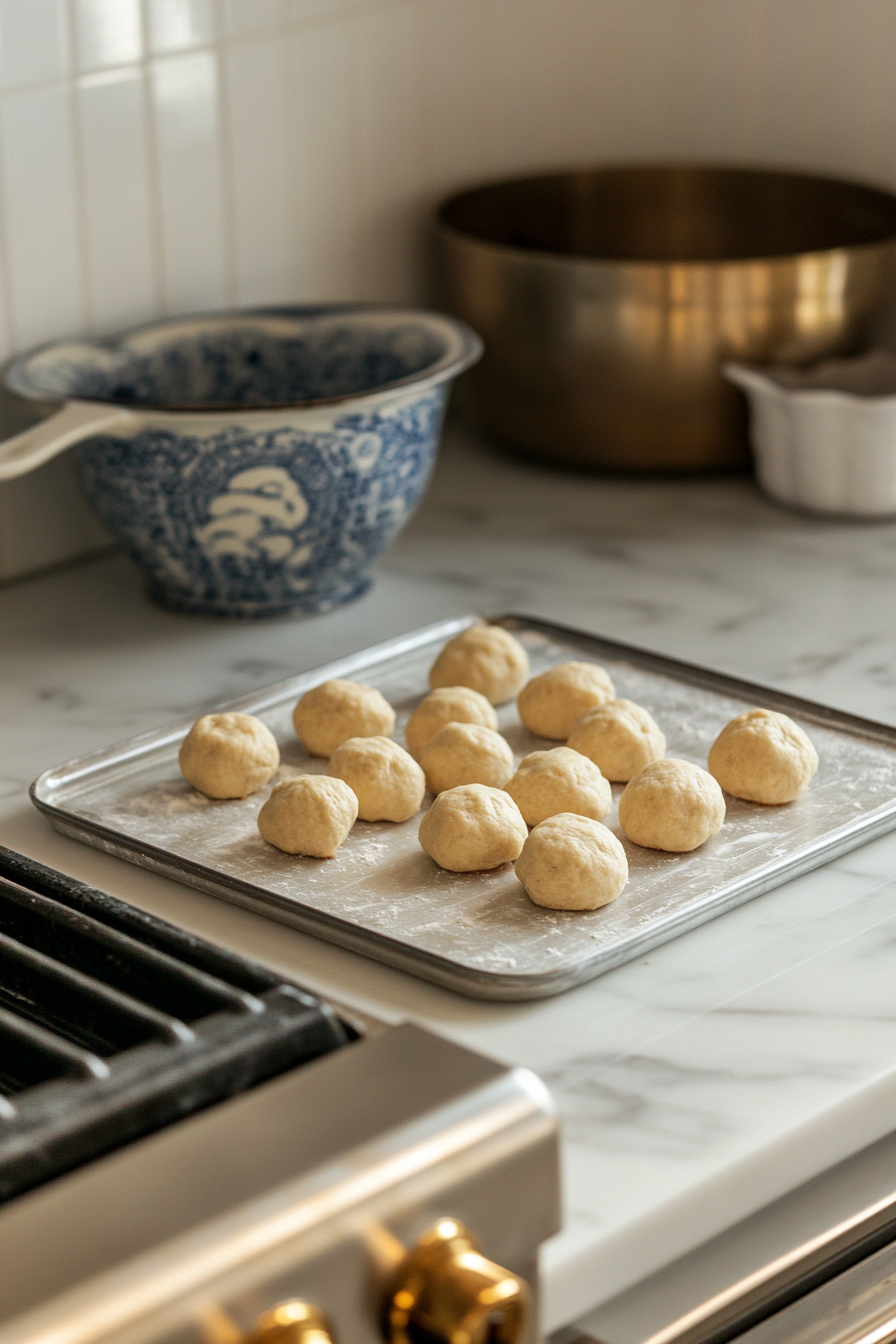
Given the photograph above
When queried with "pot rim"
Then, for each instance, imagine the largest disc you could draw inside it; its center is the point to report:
(535, 254)
(464, 347)
(542, 256)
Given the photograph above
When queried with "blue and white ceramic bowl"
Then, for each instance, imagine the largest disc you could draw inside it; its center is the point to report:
(256, 462)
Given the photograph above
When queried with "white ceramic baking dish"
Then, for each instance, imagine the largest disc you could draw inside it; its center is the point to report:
(824, 438)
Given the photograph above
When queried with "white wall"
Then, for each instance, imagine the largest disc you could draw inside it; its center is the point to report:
(193, 153)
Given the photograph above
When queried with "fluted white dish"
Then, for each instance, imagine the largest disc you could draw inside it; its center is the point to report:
(824, 439)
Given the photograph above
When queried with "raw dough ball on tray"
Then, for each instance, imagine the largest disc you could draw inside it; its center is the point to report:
(472, 828)
(228, 755)
(486, 658)
(331, 713)
(446, 704)
(572, 863)
(671, 805)
(559, 780)
(387, 781)
(763, 757)
(466, 753)
(620, 737)
(309, 815)
(550, 704)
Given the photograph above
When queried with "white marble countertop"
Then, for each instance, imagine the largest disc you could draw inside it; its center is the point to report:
(695, 1085)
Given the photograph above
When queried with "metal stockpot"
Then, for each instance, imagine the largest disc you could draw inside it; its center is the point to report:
(609, 299)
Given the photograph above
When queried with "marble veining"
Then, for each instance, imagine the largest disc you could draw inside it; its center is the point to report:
(696, 1083)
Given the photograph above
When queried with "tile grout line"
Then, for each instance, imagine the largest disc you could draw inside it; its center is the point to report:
(358, 193)
(225, 157)
(9, 317)
(161, 298)
(76, 136)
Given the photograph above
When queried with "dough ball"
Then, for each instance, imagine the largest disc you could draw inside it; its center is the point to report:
(559, 780)
(387, 782)
(486, 658)
(466, 753)
(472, 828)
(310, 814)
(764, 757)
(330, 714)
(228, 755)
(671, 805)
(572, 863)
(619, 737)
(550, 704)
(447, 704)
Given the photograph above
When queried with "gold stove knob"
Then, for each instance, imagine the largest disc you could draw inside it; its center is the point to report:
(445, 1289)
(292, 1323)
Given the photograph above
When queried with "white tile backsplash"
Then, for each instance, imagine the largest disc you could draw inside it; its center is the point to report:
(166, 155)
(324, 165)
(178, 25)
(250, 16)
(122, 264)
(107, 33)
(299, 11)
(511, 41)
(191, 191)
(388, 99)
(263, 188)
(454, 94)
(33, 42)
(877, 126)
(722, 72)
(41, 215)
(174, 153)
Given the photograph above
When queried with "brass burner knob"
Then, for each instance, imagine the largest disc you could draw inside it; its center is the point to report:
(446, 1290)
(292, 1323)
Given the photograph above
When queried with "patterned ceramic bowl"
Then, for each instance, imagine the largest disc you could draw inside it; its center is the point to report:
(255, 462)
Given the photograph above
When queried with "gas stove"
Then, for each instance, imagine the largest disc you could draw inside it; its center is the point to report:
(194, 1150)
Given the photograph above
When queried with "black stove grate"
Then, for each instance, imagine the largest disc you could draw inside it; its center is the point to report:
(114, 1023)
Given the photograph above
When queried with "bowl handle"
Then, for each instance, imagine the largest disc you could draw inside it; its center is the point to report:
(75, 421)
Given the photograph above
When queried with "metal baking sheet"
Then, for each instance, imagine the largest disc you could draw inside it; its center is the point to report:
(478, 933)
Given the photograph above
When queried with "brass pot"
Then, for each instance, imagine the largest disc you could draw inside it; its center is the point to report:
(609, 298)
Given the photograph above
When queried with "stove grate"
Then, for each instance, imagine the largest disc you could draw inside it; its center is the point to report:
(114, 1023)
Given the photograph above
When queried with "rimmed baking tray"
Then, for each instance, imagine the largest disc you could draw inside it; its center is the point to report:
(478, 933)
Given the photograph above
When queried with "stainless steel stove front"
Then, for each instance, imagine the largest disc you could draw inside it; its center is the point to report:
(309, 1189)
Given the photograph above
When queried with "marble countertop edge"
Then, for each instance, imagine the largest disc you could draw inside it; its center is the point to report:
(581, 1281)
